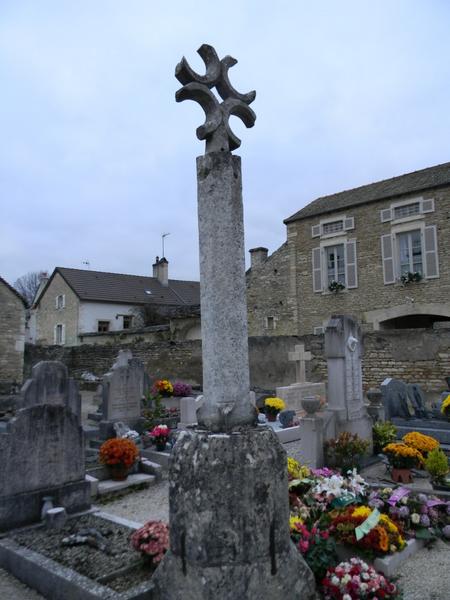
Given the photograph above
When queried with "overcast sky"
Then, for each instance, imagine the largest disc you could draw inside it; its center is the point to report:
(97, 160)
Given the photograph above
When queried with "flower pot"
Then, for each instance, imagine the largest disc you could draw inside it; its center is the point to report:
(271, 417)
(161, 446)
(118, 472)
(401, 475)
(311, 404)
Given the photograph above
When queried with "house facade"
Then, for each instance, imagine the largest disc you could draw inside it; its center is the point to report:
(12, 336)
(76, 303)
(380, 252)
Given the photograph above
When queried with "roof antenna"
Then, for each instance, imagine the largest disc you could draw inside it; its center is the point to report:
(87, 263)
(162, 237)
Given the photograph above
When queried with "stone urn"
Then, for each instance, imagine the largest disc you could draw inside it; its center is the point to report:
(311, 405)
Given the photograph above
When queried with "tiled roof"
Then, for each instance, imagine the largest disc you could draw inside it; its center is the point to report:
(128, 289)
(14, 291)
(396, 186)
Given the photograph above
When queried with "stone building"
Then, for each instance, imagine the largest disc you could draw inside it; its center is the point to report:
(380, 252)
(76, 304)
(12, 336)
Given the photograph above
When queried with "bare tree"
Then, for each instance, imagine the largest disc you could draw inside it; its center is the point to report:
(28, 284)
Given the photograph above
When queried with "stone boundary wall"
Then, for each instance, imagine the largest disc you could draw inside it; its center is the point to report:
(415, 355)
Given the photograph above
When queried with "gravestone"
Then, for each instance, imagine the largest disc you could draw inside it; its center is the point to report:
(122, 390)
(293, 394)
(50, 384)
(228, 494)
(41, 454)
(404, 400)
(343, 350)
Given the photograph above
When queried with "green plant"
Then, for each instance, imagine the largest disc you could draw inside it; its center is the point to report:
(383, 434)
(336, 286)
(346, 450)
(410, 277)
(436, 464)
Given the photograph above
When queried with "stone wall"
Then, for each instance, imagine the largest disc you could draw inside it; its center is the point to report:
(12, 337)
(414, 355)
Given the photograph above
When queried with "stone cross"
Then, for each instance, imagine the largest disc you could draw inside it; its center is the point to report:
(300, 357)
(226, 380)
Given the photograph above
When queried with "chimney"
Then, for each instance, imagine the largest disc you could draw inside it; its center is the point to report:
(258, 256)
(161, 270)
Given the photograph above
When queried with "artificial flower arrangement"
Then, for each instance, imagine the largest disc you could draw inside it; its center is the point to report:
(419, 441)
(445, 407)
(152, 541)
(402, 456)
(418, 515)
(382, 536)
(162, 387)
(315, 545)
(296, 470)
(160, 434)
(273, 406)
(356, 580)
(118, 451)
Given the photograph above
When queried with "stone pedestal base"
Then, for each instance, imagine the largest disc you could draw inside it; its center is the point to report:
(312, 439)
(294, 394)
(229, 521)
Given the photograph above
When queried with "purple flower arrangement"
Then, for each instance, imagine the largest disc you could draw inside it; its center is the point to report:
(181, 389)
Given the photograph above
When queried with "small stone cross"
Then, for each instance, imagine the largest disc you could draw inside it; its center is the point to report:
(300, 357)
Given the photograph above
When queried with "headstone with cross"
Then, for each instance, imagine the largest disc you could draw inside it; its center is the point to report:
(300, 357)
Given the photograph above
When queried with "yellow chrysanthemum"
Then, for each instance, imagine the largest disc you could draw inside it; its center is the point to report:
(361, 511)
(294, 520)
(421, 442)
(296, 470)
(276, 403)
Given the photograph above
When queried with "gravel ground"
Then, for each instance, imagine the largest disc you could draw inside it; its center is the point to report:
(425, 576)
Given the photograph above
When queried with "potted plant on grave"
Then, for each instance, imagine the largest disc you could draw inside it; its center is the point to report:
(383, 432)
(436, 463)
(421, 442)
(402, 459)
(162, 387)
(272, 406)
(445, 407)
(160, 435)
(152, 541)
(346, 451)
(119, 455)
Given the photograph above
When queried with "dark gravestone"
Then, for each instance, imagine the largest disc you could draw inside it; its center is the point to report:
(286, 417)
(418, 400)
(50, 384)
(41, 454)
(396, 400)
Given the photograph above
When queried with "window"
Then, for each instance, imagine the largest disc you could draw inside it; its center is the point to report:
(406, 251)
(127, 320)
(60, 301)
(103, 326)
(335, 264)
(270, 323)
(332, 227)
(410, 252)
(59, 334)
(407, 210)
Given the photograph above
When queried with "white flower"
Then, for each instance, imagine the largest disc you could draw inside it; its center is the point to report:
(404, 500)
(364, 587)
(415, 518)
(346, 597)
(335, 580)
(346, 579)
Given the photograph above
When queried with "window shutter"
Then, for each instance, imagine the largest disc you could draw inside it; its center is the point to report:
(428, 205)
(56, 302)
(63, 334)
(431, 254)
(388, 258)
(350, 264)
(317, 270)
(349, 223)
(315, 231)
(54, 333)
(386, 215)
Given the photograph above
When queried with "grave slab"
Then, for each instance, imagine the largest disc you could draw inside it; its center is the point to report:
(108, 486)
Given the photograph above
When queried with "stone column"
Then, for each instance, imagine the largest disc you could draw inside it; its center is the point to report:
(226, 382)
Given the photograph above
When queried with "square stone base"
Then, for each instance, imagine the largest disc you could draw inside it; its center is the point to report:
(294, 394)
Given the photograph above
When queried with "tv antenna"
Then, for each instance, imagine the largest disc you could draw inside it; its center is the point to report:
(162, 238)
(87, 263)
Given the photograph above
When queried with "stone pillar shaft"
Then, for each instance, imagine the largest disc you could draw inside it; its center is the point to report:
(226, 381)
